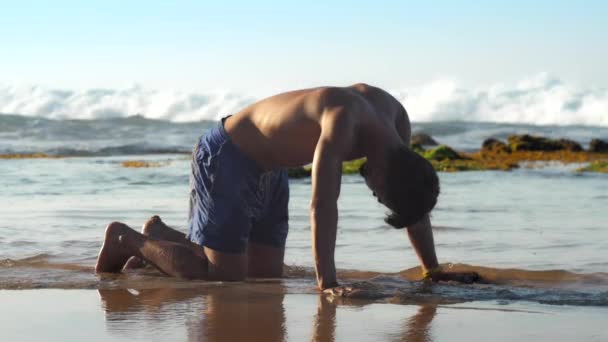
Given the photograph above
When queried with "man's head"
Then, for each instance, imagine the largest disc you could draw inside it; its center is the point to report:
(405, 183)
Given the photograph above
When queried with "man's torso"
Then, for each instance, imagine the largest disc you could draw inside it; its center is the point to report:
(283, 130)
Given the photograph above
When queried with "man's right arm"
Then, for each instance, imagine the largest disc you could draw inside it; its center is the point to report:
(334, 142)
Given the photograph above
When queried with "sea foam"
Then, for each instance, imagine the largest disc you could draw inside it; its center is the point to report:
(539, 100)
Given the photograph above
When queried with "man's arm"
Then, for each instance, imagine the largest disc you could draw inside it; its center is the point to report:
(334, 142)
(421, 237)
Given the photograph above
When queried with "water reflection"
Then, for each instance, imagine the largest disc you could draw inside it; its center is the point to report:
(325, 320)
(247, 312)
(416, 328)
(240, 316)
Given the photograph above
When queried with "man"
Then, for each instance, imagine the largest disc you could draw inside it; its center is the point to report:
(239, 195)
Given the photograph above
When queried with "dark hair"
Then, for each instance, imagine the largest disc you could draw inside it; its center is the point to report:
(412, 187)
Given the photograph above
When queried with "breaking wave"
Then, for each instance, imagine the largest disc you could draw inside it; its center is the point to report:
(539, 100)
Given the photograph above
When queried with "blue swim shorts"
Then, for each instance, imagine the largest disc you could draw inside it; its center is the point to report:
(232, 199)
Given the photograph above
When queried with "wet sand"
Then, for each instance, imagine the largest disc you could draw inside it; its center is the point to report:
(261, 312)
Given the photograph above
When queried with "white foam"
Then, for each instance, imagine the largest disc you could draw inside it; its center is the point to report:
(541, 100)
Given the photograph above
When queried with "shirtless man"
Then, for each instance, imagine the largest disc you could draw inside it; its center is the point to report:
(239, 188)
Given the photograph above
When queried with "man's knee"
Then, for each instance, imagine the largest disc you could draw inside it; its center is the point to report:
(115, 226)
(226, 266)
(265, 261)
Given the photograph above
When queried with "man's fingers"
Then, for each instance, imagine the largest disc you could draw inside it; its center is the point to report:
(339, 291)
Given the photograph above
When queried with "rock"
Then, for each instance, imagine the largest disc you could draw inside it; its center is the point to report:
(442, 152)
(494, 146)
(570, 145)
(598, 146)
(422, 139)
(528, 142)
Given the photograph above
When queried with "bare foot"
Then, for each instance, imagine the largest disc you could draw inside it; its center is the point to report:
(153, 228)
(113, 254)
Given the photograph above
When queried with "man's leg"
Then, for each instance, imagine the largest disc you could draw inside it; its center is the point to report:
(266, 248)
(265, 261)
(172, 258)
(226, 266)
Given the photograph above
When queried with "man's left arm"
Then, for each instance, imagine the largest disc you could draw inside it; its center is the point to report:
(421, 237)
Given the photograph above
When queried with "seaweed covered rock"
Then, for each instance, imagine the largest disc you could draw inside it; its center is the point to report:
(298, 172)
(442, 152)
(492, 145)
(348, 167)
(417, 148)
(472, 165)
(526, 142)
(352, 166)
(423, 139)
(37, 155)
(598, 146)
(570, 145)
(141, 164)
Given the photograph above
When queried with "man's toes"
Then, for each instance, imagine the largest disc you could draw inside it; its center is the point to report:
(153, 227)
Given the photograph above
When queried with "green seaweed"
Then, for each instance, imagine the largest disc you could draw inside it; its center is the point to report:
(352, 166)
(597, 166)
(299, 172)
(447, 165)
(417, 148)
(441, 152)
(348, 168)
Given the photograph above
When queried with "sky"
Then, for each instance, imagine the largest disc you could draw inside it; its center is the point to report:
(249, 45)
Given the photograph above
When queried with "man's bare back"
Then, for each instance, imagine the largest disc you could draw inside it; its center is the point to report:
(283, 130)
(238, 222)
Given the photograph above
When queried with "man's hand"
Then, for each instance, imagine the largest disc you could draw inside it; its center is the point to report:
(461, 277)
(340, 291)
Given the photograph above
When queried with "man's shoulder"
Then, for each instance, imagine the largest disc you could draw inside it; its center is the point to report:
(345, 97)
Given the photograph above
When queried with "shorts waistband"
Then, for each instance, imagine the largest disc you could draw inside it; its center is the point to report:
(218, 136)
